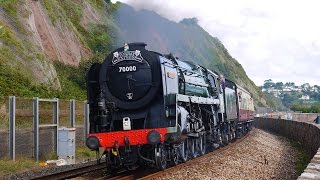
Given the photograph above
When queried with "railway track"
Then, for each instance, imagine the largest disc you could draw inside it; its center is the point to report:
(71, 173)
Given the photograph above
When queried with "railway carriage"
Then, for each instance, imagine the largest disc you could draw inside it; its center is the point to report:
(147, 108)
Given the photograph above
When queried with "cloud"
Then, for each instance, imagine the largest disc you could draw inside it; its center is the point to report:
(272, 39)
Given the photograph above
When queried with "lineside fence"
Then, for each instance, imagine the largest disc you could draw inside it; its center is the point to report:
(29, 126)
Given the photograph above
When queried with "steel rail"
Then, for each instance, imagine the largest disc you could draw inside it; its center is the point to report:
(72, 172)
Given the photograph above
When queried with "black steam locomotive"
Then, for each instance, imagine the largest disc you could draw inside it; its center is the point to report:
(151, 109)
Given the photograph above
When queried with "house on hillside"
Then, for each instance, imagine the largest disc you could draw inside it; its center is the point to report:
(305, 97)
(314, 89)
(298, 89)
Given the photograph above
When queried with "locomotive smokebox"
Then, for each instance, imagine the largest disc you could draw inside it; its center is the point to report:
(93, 143)
(153, 137)
(130, 77)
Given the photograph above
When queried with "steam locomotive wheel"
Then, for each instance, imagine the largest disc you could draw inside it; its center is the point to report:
(225, 138)
(174, 156)
(202, 144)
(192, 147)
(219, 138)
(233, 133)
(160, 157)
(183, 151)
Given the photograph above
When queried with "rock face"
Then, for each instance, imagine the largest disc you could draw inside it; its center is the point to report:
(57, 41)
(38, 40)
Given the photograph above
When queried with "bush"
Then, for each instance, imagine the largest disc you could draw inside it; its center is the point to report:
(306, 109)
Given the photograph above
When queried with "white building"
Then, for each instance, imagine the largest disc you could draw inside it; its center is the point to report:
(305, 97)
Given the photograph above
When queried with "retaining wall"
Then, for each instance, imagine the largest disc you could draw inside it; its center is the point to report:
(306, 133)
(303, 117)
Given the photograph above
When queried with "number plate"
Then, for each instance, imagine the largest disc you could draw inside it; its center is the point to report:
(127, 68)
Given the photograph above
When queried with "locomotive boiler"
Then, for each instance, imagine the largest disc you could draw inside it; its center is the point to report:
(148, 108)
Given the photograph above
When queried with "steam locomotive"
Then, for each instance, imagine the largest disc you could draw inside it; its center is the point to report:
(151, 109)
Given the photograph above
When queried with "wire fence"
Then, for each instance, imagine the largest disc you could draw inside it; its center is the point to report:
(4, 126)
(20, 138)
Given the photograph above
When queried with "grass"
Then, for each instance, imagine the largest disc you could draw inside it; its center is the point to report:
(13, 82)
(21, 164)
(8, 166)
(84, 153)
(50, 6)
(72, 80)
(8, 37)
(303, 157)
(99, 4)
(11, 7)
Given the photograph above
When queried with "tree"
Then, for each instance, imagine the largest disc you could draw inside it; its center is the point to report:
(291, 84)
(288, 99)
(315, 109)
(306, 86)
(278, 85)
(268, 84)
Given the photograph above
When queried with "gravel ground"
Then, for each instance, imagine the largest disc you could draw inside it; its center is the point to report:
(260, 156)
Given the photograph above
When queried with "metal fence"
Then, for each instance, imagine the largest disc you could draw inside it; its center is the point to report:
(29, 127)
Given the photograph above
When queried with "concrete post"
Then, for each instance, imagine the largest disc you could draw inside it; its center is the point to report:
(12, 127)
(72, 113)
(56, 122)
(36, 128)
(86, 119)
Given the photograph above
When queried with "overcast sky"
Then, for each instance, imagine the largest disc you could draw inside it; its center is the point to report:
(272, 39)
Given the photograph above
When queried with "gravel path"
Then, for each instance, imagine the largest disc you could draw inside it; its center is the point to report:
(260, 156)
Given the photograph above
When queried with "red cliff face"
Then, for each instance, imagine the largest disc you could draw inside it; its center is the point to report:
(40, 40)
(57, 41)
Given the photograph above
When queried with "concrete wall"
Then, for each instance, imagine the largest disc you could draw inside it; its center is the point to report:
(306, 133)
(303, 117)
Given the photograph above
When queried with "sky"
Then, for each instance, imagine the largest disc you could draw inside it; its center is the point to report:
(272, 39)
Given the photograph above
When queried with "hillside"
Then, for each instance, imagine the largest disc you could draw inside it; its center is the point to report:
(46, 46)
(186, 40)
(43, 42)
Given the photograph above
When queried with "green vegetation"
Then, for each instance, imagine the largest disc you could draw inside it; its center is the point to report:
(72, 81)
(99, 40)
(16, 77)
(99, 4)
(303, 157)
(84, 153)
(304, 98)
(306, 108)
(8, 38)
(50, 6)
(21, 164)
(275, 102)
(13, 82)
(10, 6)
